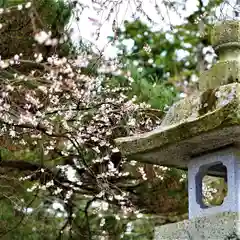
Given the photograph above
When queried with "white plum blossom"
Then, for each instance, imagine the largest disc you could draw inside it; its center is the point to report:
(4, 64)
(20, 7)
(42, 37)
(71, 119)
(28, 5)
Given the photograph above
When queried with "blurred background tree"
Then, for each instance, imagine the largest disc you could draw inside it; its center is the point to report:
(25, 19)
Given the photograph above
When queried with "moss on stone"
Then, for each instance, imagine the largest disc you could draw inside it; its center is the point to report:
(208, 101)
(186, 124)
(225, 32)
(199, 104)
(220, 74)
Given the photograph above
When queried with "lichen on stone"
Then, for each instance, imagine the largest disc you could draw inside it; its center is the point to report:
(222, 73)
(197, 105)
(225, 32)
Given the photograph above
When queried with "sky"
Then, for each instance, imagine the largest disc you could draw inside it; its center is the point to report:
(90, 19)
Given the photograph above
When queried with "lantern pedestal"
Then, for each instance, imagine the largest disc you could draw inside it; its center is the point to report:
(221, 226)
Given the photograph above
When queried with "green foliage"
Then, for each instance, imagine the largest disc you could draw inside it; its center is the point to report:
(162, 58)
(15, 225)
(19, 27)
(151, 90)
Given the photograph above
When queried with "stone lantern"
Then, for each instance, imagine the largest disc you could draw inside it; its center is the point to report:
(201, 134)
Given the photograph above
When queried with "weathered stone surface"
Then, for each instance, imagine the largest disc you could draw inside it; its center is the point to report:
(197, 169)
(192, 126)
(221, 226)
(226, 42)
(224, 33)
(220, 74)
